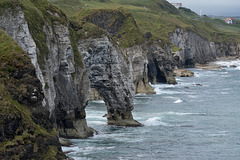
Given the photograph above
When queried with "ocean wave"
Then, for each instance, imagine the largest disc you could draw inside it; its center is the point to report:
(97, 123)
(70, 149)
(155, 121)
(169, 97)
(228, 64)
(85, 150)
(220, 133)
(183, 114)
(193, 96)
(224, 93)
(178, 101)
(165, 91)
(179, 80)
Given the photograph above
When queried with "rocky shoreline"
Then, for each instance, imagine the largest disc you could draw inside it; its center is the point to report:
(69, 59)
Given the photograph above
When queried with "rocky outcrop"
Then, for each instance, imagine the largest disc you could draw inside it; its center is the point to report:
(161, 64)
(121, 26)
(195, 49)
(109, 74)
(138, 64)
(59, 69)
(183, 73)
(68, 83)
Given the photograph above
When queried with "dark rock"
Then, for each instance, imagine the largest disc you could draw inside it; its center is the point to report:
(161, 65)
(109, 20)
(148, 35)
(189, 63)
(233, 66)
(121, 117)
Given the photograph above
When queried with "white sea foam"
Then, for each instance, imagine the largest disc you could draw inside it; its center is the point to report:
(192, 96)
(179, 80)
(178, 101)
(155, 121)
(165, 91)
(84, 149)
(229, 63)
(197, 74)
(97, 123)
(70, 149)
(169, 97)
(220, 133)
(182, 114)
(224, 93)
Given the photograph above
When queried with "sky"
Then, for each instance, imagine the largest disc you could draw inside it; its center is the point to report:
(212, 7)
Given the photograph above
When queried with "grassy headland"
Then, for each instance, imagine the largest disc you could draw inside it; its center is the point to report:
(156, 16)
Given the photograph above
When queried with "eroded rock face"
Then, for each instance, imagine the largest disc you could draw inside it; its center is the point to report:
(138, 62)
(161, 65)
(68, 84)
(109, 74)
(195, 49)
(65, 83)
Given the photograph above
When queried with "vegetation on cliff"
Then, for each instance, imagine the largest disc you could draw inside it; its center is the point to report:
(157, 17)
(20, 135)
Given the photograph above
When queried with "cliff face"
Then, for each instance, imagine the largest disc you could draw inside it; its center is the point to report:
(161, 64)
(138, 66)
(60, 70)
(146, 63)
(25, 128)
(109, 74)
(195, 49)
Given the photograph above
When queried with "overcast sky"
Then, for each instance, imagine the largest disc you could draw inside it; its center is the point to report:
(212, 7)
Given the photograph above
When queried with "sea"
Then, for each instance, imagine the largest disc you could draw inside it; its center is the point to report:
(197, 119)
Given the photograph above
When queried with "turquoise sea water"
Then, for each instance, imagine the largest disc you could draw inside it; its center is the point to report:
(198, 119)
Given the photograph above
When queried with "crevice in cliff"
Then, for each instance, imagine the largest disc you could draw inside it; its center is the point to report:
(160, 77)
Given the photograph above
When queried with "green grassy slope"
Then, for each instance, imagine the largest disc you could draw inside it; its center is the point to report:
(155, 16)
(212, 29)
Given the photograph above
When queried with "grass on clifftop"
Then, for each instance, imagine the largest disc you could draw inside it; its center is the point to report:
(156, 16)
